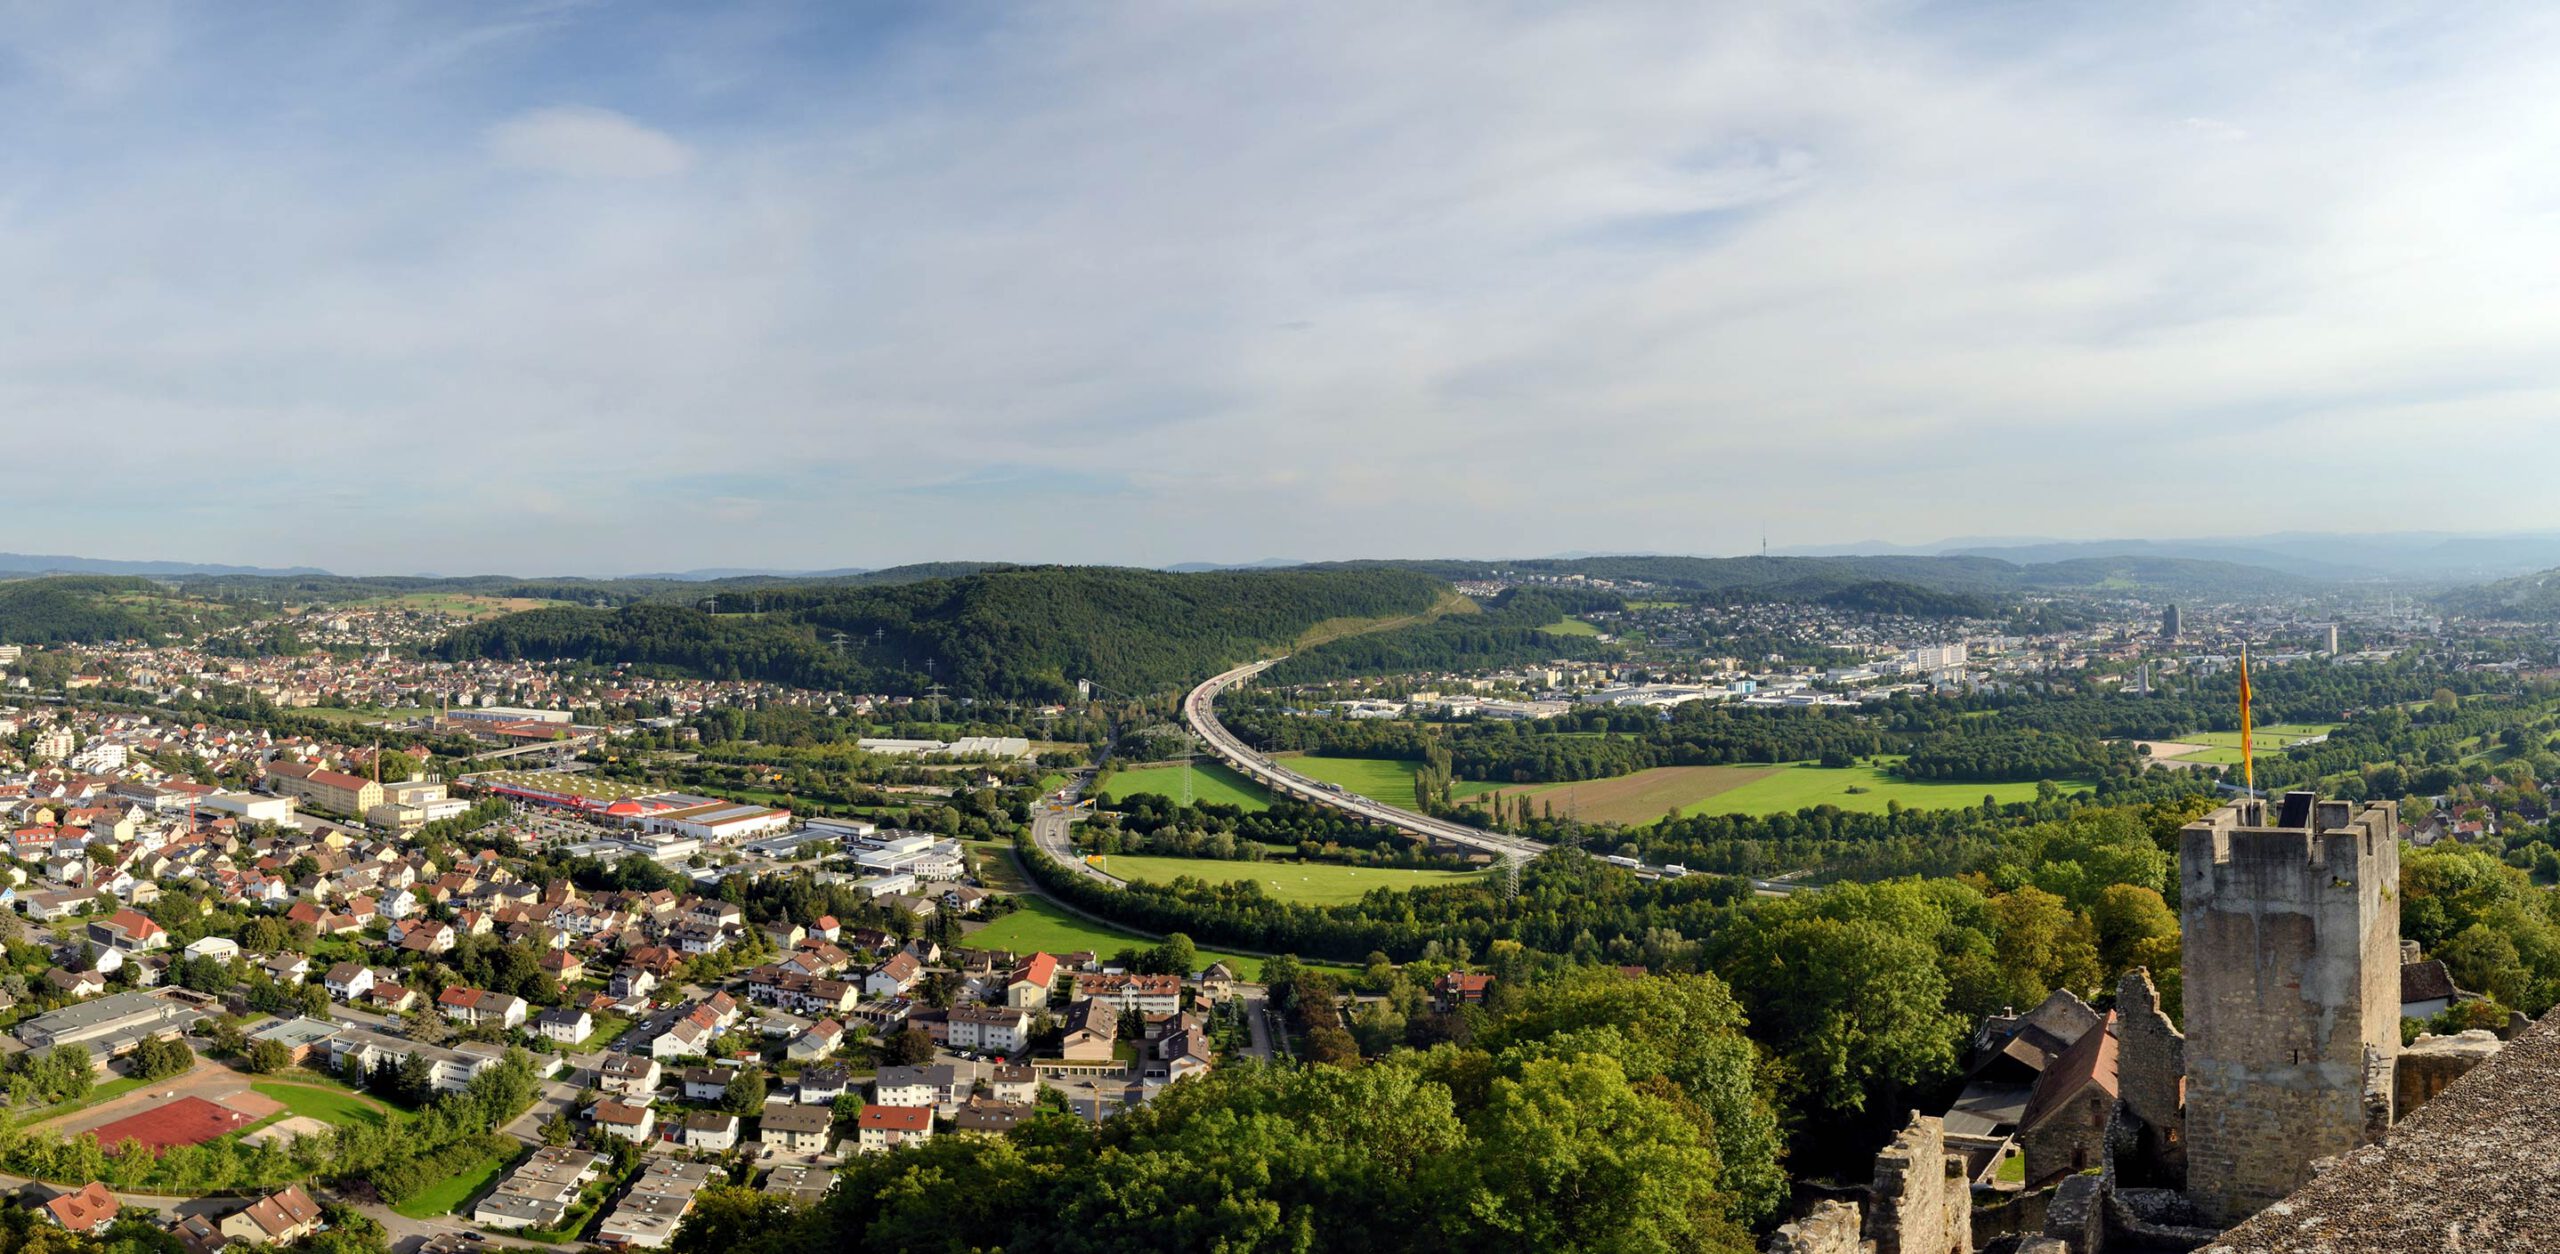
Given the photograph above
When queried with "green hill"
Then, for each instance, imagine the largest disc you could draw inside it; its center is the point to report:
(90, 609)
(1014, 632)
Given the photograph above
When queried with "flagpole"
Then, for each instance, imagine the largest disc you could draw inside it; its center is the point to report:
(2248, 750)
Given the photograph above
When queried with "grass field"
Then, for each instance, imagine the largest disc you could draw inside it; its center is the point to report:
(1315, 883)
(343, 714)
(454, 1190)
(2273, 738)
(331, 1106)
(1210, 781)
(1379, 779)
(1802, 784)
(1040, 924)
(1570, 627)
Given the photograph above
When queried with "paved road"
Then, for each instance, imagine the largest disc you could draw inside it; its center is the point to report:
(1200, 710)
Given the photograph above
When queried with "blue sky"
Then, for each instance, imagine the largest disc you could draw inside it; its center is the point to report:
(614, 287)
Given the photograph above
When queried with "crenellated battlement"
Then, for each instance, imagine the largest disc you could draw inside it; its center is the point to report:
(2291, 925)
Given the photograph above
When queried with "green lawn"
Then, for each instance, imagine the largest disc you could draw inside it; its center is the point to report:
(1379, 779)
(1210, 781)
(1041, 925)
(1316, 883)
(2271, 736)
(1805, 784)
(1570, 627)
(456, 1189)
(103, 1091)
(331, 1106)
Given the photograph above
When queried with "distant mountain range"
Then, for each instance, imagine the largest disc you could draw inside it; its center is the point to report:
(2427, 556)
(58, 564)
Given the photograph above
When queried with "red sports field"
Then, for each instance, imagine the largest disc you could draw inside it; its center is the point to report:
(184, 1121)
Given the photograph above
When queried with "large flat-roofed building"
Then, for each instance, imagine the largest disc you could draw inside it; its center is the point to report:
(334, 791)
(539, 1193)
(109, 1025)
(512, 714)
(647, 1216)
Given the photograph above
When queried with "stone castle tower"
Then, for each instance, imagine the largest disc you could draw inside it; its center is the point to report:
(2291, 916)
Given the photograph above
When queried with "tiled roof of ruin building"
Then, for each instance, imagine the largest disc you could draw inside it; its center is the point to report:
(2477, 1170)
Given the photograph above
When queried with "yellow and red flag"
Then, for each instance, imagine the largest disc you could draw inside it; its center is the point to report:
(2248, 756)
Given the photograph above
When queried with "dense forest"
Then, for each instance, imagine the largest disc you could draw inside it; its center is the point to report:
(1505, 634)
(1016, 633)
(300, 589)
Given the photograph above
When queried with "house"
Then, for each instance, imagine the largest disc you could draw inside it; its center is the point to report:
(2426, 989)
(805, 1185)
(391, 998)
(279, 1218)
(129, 931)
(684, 1038)
(634, 1076)
(981, 1117)
(1217, 983)
(79, 984)
(1093, 1031)
(541, 1190)
(287, 968)
(85, 1209)
(710, 1130)
(1459, 988)
(480, 1006)
(1014, 1082)
(631, 1123)
(822, 1084)
(879, 1129)
(218, 948)
(647, 1216)
(912, 1086)
(348, 981)
(2064, 1128)
(796, 1129)
(565, 1024)
(1000, 1030)
(707, 1084)
(1029, 987)
(820, 1040)
(893, 977)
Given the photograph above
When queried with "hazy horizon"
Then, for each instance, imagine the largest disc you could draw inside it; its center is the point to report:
(651, 287)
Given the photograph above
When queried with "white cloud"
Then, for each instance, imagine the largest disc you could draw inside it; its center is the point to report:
(1307, 280)
(586, 143)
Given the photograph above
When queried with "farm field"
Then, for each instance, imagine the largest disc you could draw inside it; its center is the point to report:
(1801, 784)
(1040, 924)
(1570, 627)
(1210, 781)
(1642, 797)
(457, 604)
(1314, 883)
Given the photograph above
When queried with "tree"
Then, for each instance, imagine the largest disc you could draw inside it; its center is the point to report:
(911, 1048)
(746, 1092)
(1571, 1157)
(269, 1057)
(161, 1056)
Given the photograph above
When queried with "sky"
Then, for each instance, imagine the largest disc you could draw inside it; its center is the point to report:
(608, 288)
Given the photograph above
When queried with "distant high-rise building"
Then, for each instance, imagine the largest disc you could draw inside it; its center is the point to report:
(2169, 623)
(2333, 640)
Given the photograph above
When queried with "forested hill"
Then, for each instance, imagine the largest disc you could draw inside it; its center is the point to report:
(1818, 578)
(90, 609)
(321, 587)
(2531, 598)
(1016, 632)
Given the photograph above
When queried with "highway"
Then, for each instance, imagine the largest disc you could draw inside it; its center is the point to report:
(1200, 711)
